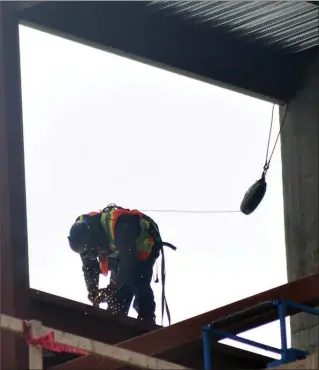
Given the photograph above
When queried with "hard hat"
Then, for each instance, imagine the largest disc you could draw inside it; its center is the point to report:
(80, 236)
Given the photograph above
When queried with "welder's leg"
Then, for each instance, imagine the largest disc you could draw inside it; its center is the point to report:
(137, 274)
(144, 302)
(122, 301)
(127, 230)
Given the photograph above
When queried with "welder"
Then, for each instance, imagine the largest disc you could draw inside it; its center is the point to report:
(126, 243)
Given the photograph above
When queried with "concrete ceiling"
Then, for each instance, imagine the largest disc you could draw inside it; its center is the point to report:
(259, 48)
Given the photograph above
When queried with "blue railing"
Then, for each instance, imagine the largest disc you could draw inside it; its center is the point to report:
(287, 354)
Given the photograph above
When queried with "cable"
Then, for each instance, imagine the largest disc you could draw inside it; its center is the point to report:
(280, 130)
(188, 211)
(267, 162)
(269, 136)
(266, 167)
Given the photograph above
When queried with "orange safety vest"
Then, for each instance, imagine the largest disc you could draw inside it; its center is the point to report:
(144, 244)
(116, 213)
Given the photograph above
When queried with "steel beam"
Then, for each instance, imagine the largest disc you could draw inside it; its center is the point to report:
(13, 226)
(158, 342)
(81, 319)
(191, 356)
(224, 357)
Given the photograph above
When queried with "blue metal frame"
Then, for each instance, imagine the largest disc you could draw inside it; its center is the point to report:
(287, 354)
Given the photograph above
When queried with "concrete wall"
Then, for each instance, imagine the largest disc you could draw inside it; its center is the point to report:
(311, 362)
(299, 142)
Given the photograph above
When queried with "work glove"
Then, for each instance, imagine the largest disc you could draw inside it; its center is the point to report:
(107, 294)
(93, 295)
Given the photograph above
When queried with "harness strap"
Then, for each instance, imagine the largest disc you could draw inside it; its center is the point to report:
(155, 233)
(163, 277)
(164, 300)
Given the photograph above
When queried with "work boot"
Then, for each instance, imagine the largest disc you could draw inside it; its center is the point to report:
(117, 309)
(148, 321)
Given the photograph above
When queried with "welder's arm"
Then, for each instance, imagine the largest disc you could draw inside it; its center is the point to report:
(91, 271)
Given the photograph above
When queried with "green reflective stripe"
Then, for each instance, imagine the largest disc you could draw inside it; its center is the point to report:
(143, 244)
(104, 222)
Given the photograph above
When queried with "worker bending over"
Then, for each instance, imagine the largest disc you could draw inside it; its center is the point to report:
(127, 243)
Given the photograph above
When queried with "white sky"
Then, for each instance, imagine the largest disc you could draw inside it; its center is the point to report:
(100, 128)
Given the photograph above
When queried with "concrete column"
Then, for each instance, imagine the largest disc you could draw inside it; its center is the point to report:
(299, 147)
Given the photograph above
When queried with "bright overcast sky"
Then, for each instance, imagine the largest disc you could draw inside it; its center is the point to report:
(100, 128)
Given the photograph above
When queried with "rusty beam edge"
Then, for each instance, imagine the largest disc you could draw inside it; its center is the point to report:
(187, 352)
(183, 356)
(40, 27)
(162, 340)
(249, 323)
(177, 354)
(191, 356)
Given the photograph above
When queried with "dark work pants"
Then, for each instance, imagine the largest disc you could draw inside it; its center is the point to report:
(138, 284)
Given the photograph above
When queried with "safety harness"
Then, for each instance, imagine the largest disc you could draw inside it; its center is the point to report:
(144, 243)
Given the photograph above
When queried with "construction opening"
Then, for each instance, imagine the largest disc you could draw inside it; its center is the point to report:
(49, 144)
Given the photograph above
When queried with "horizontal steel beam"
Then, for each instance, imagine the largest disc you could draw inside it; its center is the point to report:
(81, 319)
(225, 357)
(191, 356)
(301, 291)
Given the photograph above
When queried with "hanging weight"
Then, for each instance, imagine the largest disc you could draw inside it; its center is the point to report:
(253, 196)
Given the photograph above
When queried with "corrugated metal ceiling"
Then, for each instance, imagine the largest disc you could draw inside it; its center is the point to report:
(289, 26)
